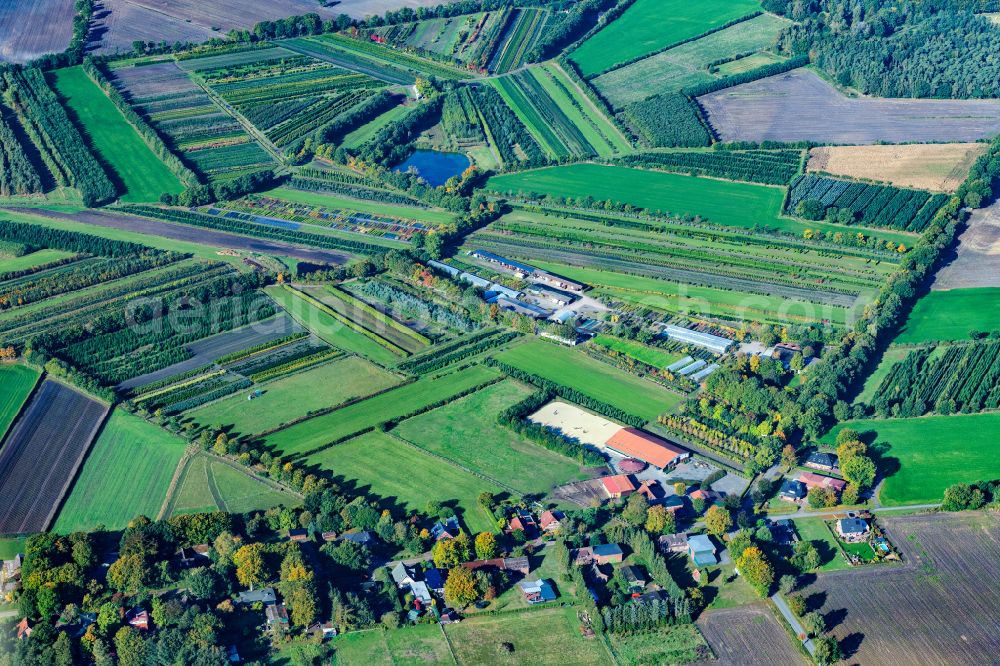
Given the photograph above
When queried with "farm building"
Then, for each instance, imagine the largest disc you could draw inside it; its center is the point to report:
(537, 591)
(792, 490)
(702, 550)
(519, 307)
(826, 462)
(632, 466)
(819, 481)
(692, 368)
(634, 443)
(522, 270)
(713, 343)
(618, 486)
(677, 365)
(652, 491)
(520, 565)
(853, 530)
(298, 535)
(557, 296)
(556, 281)
(705, 372)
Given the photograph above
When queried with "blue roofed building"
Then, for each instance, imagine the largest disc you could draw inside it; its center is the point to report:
(702, 550)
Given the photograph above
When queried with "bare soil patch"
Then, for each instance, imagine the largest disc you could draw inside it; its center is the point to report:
(800, 106)
(575, 422)
(748, 636)
(977, 263)
(938, 608)
(32, 28)
(937, 167)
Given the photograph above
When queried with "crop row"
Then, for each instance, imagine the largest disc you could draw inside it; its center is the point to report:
(373, 51)
(873, 205)
(669, 120)
(396, 300)
(274, 358)
(773, 167)
(18, 175)
(505, 129)
(518, 37)
(287, 368)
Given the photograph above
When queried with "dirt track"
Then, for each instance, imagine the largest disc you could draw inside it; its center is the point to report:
(800, 106)
(977, 263)
(197, 235)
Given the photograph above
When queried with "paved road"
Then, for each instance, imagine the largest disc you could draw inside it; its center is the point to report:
(793, 621)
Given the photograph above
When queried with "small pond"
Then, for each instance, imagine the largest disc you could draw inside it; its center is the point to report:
(435, 166)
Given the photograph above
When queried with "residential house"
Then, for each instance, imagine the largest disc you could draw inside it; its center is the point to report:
(792, 490)
(364, 538)
(618, 486)
(525, 522)
(634, 576)
(825, 462)
(582, 556)
(652, 491)
(518, 565)
(709, 497)
(550, 521)
(195, 556)
(138, 618)
(853, 530)
(329, 536)
(672, 503)
(403, 575)
(537, 591)
(819, 481)
(673, 543)
(702, 550)
(783, 531)
(277, 616)
(298, 535)
(419, 591)
(24, 629)
(608, 553)
(635, 443)
(264, 595)
(434, 579)
(445, 529)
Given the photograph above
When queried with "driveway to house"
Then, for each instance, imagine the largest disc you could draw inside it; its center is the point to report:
(793, 621)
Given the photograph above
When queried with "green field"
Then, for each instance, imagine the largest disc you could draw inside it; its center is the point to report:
(648, 26)
(11, 547)
(467, 432)
(31, 260)
(16, 383)
(126, 474)
(406, 476)
(322, 430)
(681, 644)
(721, 202)
(687, 65)
(748, 63)
(209, 484)
(328, 328)
(429, 215)
(891, 357)
(295, 396)
(678, 298)
(409, 646)
(816, 531)
(658, 358)
(143, 175)
(932, 453)
(353, 140)
(544, 637)
(950, 315)
(600, 381)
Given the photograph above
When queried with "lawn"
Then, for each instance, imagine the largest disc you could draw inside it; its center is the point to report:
(950, 315)
(126, 474)
(295, 396)
(209, 484)
(407, 477)
(546, 636)
(680, 298)
(816, 531)
(658, 358)
(648, 26)
(926, 455)
(598, 380)
(431, 216)
(353, 140)
(467, 432)
(321, 430)
(681, 644)
(890, 358)
(720, 202)
(11, 547)
(16, 382)
(328, 328)
(141, 172)
(32, 259)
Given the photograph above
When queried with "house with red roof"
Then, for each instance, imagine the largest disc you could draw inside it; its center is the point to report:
(617, 486)
(813, 480)
(550, 521)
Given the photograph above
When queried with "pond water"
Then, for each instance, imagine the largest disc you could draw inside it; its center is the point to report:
(435, 166)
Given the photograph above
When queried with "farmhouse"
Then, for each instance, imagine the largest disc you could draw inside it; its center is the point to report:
(550, 521)
(618, 486)
(853, 530)
(713, 343)
(819, 481)
(826, 462)
(634, 443)
(792, 490)
(537, 591)
(445, 529)
(702, 550)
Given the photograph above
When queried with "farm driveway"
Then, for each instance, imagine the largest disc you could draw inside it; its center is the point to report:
(977, 263)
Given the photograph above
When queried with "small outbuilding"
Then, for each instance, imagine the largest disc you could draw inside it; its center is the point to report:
(702, 551)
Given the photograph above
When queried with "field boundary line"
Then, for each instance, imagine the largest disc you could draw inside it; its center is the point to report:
(248, 127)
(447, 641)
(274, 485)
(213, 488)
(180, 475)
(555, 64)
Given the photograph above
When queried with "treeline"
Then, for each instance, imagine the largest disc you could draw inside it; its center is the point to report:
(508, 132)
(335, 130)
(459, 117)
(257, 230)
(772, 167)
(392, 144)
(669, 120)
(440, 360)
(888, 49)
(746, 77)
(568, 393)
(581, 21)
(60, 144)
(226, 190)
(148, 134)
(17, 174)
(72, 241)
(516, 416)
(965, 379)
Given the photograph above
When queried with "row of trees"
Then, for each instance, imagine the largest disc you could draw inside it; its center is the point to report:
(17, 174)
(773, 167)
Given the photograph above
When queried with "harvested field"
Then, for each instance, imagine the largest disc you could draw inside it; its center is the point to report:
(936, 167)
(117, 23)
(576, 422)
(32, 28)
(40, 457)
(180, 232)
(977, 263)
(208, 349)
(797, 106)
(748, 636)
(938, 608)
